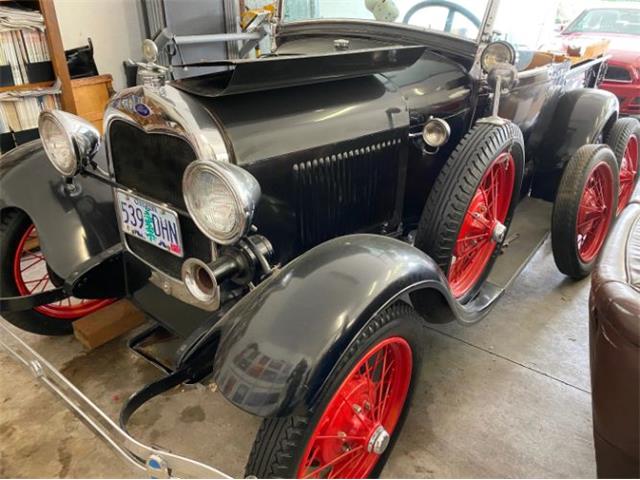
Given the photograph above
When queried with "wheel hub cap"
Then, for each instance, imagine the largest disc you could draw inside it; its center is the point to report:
(379, 441)
(498, 233)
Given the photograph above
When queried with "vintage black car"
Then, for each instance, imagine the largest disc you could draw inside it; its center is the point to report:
(293, 220)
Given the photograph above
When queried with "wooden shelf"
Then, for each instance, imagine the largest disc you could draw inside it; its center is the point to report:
(56, 53)
(26, 86)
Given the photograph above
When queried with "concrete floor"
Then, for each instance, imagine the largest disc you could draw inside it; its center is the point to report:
(508, 397)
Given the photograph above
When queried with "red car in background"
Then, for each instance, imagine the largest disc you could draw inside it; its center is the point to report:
(620, 24)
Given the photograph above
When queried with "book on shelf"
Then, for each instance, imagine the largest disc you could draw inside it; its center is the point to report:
(21, 113)
(24, 54)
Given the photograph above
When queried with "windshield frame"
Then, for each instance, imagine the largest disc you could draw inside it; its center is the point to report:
(484, 33)
(568, 29)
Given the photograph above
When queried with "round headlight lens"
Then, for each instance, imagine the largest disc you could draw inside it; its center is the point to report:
(57, 145)
(495, 53)
(436, 132)
(221, 199)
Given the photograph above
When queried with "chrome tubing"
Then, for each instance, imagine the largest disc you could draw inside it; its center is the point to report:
(155, 462)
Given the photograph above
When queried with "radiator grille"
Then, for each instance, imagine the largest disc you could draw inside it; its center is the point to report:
(152, 164)
(618, 74)
(346, 192)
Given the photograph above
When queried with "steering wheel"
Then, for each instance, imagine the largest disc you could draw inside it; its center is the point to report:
(451, 6)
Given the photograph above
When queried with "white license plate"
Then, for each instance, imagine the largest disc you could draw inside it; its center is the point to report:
(150, 222)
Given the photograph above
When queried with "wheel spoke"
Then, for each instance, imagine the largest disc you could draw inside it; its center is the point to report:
(353, 462)
(471, 251)
(361, 417)
(473, 237)
(474, 216)
(46, 277)
(353, 438)
(383, 408)
(45, 284)
(494, 193)
(22, 270)
(339, 458)
(380, 383)
(590, 222)
(601, 200)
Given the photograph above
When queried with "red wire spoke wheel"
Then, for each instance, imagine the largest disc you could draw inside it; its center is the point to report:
(349, 426)
(31, 275)
(594, 213)
(356, 427)
(469, 208)
(624, 140)
(628, 172)
(483, 226)
(585, 206)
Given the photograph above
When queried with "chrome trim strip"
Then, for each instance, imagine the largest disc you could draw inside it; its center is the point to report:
(178, 290)
(134, 452)
(169, 111)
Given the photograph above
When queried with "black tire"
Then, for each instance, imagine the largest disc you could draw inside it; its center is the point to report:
(455, 187)
(566, 207)
(13, 225)
(618, 139)
(281, 442)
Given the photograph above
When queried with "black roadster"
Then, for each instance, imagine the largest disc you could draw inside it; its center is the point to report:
(293, 220)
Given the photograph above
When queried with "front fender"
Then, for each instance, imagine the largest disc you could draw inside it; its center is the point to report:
(279, 343)
(73, 228)
(580, 116)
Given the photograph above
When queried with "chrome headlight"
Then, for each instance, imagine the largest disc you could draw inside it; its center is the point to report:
(221, 199)
(67, 140)
(495, 53)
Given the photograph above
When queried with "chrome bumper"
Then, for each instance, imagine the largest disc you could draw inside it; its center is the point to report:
(155, 462)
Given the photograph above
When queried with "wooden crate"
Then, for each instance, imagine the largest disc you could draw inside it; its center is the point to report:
(91, 95)
(107, 323)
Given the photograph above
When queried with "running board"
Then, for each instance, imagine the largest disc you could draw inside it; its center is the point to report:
(529, 229)
(156, 463)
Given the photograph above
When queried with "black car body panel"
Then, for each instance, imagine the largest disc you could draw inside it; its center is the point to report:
(73, 225)
(281, 71)
(279, 343)
(580, 117)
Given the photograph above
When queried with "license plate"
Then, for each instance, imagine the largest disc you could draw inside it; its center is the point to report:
(150, 222)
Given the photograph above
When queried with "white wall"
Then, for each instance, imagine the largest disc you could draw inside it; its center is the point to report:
(114, 27)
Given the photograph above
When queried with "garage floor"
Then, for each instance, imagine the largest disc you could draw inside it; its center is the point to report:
(508, 397)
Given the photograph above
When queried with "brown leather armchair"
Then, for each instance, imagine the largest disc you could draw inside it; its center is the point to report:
(614, 308)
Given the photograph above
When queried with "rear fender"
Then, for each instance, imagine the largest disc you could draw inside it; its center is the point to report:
(580, 116)
(278, 345)
(73, 227)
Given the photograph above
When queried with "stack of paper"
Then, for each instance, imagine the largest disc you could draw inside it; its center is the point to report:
(21, 47)
(22, 114)
(20, 18)
(22, 41)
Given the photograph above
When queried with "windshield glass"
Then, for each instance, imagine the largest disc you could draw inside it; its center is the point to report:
(607, 20)
(458, 17)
